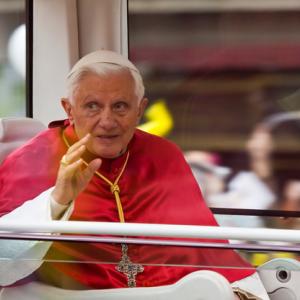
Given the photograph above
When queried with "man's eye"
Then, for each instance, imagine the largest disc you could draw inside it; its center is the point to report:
(92, 106)
(121, 107)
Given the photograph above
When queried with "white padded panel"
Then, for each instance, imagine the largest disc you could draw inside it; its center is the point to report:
(281, 288)
(14, 132)
(13, 129)
(283, 294)
(199, 285)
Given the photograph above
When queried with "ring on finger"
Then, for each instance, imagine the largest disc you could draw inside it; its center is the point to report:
(64, 161)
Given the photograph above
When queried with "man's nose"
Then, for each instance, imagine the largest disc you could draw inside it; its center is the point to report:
(107, 120)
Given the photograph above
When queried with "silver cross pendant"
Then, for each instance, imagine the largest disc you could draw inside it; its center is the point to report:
(129, 269)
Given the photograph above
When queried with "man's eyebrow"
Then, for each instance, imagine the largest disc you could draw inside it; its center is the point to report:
(120, 100)
(90, 97)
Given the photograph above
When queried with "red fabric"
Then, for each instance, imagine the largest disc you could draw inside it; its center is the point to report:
(156, 187)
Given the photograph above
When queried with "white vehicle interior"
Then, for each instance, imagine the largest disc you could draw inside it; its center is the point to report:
(70, 30)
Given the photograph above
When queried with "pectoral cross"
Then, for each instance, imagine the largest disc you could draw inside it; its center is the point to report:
(128, 268)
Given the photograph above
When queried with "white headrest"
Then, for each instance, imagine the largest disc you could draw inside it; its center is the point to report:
(12, 129)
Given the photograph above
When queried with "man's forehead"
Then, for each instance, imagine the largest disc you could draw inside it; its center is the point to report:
(117, 83)
(120, 78)
(102, 56)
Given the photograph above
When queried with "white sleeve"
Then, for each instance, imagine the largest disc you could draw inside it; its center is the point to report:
(19, 258)
(253, 285)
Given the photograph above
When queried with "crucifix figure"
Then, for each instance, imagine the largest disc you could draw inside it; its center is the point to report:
(128, 268)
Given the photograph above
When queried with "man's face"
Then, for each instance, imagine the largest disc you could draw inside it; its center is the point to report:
(106, 107)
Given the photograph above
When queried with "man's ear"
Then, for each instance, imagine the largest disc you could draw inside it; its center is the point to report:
(65, 102)
(142, 106)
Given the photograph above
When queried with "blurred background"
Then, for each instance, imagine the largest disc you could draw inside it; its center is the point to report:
(12, 58)
(229, 72)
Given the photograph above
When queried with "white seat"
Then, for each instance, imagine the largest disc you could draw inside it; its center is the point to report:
(199, 285)
(16, 131)
(281, 278)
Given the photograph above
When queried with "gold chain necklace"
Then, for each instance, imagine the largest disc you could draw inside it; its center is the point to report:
(114, 187)
(125, 266)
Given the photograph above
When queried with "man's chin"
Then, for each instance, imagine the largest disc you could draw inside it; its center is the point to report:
(109, 154)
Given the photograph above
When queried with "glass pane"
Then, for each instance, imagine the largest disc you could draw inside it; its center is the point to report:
(12, 58)
(229, 76)
(67, 263)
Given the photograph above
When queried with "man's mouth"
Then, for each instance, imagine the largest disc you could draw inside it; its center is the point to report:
(107, 137)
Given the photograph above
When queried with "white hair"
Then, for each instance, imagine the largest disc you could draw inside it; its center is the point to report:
(103, 69)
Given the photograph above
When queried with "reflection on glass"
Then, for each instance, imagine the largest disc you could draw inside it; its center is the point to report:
(230, 78)
(68, 274)
(12, 58)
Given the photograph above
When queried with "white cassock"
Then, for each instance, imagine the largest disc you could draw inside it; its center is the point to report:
(22, 258)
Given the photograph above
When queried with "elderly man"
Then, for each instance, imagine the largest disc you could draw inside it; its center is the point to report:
(96, 166)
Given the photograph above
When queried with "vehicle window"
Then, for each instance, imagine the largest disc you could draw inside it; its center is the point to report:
(12, 58)
(228, 74)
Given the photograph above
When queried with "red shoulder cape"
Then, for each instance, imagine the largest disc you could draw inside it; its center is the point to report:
(156, 187)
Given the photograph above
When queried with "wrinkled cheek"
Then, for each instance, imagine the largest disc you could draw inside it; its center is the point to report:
(91, 145)
(83, 128)
(127, 138)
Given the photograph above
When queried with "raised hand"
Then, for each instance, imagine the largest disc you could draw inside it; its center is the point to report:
(73, 176)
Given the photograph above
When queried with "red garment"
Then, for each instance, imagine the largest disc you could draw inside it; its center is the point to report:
(157, 186)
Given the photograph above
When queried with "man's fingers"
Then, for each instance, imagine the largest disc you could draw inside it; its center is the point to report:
(75, 151)
(87, 172)
(71, 168)
(93, 166)
(71, 157)
(78, 144)
(73, 178)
